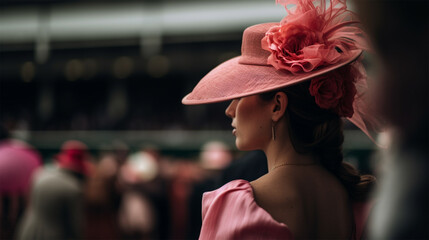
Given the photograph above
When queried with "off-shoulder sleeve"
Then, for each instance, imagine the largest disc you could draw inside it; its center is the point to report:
(231, 212)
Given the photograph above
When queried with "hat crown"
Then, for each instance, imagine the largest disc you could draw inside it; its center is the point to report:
(251, 48)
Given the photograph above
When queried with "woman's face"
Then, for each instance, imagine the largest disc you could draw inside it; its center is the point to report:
(251, 121)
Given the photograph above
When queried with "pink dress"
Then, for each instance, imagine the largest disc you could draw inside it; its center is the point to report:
(231, 212)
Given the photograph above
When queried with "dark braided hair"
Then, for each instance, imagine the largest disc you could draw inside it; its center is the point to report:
(319, 132)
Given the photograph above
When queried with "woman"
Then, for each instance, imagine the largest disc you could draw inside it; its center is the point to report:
(289, 89)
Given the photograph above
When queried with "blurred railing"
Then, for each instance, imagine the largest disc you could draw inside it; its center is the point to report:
(165, 139)
(178, 144)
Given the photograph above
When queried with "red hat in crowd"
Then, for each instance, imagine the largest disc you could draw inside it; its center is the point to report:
(74, 156)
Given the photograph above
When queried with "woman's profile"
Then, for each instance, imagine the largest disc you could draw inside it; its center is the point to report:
(289, 90)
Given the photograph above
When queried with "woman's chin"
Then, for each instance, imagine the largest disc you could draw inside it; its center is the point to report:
(239, 145)
(242, 146)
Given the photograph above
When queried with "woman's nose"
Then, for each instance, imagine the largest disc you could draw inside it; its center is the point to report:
(230, 110)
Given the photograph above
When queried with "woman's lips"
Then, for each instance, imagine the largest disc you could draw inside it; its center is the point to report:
(233, 131)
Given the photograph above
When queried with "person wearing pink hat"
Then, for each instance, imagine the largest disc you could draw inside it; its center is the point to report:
(289, 89)
(18, 162)
(56, 207)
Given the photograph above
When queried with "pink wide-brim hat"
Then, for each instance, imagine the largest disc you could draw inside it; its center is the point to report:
(250, 73)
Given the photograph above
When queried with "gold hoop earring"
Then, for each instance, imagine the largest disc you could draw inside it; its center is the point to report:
(273, 131)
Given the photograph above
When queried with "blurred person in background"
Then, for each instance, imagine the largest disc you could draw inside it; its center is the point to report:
(183, 173)
(215, 156)
(290, 88)
(18, 162)
(103, 195)
(400, 33)
(56, 205)
(144, 210)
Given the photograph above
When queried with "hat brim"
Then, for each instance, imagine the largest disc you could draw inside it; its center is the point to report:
(231, 80)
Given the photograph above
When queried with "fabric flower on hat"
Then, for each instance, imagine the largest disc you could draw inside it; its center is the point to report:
(335, 90)
(313, 34)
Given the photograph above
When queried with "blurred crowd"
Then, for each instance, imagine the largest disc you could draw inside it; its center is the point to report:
(110, 193)
(114, 192)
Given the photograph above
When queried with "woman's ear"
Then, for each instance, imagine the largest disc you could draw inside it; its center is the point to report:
(280, 105)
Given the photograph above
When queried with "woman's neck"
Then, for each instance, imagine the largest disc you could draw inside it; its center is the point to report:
(281, 152)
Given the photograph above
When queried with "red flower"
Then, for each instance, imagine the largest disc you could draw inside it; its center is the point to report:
(335, 90)
(293, 47)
